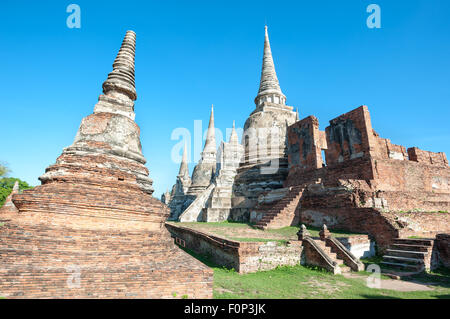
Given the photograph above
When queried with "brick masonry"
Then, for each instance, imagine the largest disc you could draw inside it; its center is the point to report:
(244, 257)
(247, 257)
(365, 183)
(442, 244)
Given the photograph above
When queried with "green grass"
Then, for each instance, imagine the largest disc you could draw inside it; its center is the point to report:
(421, 211)
(301, 282)
(231, 230)
(291, 231)
(213, 225)
(1, 224)
(304, 283)
(259, 240)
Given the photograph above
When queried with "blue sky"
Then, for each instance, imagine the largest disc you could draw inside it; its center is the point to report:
(191, 54)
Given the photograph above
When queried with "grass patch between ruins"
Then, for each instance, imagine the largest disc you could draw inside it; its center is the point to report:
(301, 282)
(245, 232)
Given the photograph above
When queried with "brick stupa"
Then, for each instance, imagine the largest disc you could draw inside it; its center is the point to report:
(93, 229)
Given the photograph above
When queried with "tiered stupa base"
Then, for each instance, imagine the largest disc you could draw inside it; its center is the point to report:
(114, 238)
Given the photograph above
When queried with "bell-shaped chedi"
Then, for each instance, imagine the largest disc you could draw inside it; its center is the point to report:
(205, 170)
(92, 229)
(264, 166)
(179, 190)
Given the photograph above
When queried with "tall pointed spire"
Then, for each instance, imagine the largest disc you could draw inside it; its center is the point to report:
(210, 144)
(121, 79)
(184, 169)
(233, 136)
(297, 117)
(269, 87)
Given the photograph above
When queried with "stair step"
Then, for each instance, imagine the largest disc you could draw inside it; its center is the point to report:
(413, 241)
(400, 265)
(284, 207)
(406, 253)
(409, 247)
(407, 259)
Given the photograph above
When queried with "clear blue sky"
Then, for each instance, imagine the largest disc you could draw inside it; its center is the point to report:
(191, 54)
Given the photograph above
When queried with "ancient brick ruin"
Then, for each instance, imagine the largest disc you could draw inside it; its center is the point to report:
(363, 183)
(93, 229)
(346, 177)
(366, 179)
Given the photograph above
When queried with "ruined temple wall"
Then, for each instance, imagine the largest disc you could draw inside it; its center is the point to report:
(421, 224)
(417, 155)
(428, 184)
(361, 220)
(354, 151)
(443, 247)
(350, 136)
(387, 150)
(368, 182)
(305, 144)
(244, 257)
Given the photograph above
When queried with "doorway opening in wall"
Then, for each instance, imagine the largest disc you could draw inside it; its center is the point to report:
(324, 161)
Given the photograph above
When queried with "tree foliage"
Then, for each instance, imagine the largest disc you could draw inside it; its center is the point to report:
(6, 187)
(4, 170)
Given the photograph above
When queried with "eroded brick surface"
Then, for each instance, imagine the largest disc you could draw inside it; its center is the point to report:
(443, 246)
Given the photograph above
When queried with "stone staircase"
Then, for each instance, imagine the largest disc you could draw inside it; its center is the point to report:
(283, 212)
(194, 212)
(409, 255)
(341, 267)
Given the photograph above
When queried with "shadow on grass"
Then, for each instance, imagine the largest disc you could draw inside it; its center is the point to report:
(334, 231)
(204, 259)
(378, 297)
(438, 278)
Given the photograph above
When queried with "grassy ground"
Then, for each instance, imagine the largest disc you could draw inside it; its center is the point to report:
(305, 283)
(246, 232)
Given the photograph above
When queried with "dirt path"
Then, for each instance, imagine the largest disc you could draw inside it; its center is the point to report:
(391, 284)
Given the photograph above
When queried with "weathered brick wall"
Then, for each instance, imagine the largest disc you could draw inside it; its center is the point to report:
(418, 155)
(117, 241)
(365, 171)
(244, 257)
(305, 144)
(408, 185)
(422, 224)
(350, 136)
(42, 261)
(387, 150)
(359, 220)
(442, 244)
